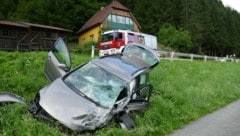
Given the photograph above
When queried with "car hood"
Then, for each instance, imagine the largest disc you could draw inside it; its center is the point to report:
(71, 109)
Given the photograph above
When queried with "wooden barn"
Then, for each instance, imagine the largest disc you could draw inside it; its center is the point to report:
(28, 36)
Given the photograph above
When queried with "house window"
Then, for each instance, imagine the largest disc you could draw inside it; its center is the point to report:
(109, 18)
(121, 19)
(131, 22)
(114, 18)
(83, 41)
(128, 20)
(92, 38)
(120, 22)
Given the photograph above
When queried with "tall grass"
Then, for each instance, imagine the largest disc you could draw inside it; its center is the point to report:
(183, 91)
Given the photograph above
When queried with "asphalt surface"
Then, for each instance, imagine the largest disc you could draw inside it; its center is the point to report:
(223, 122)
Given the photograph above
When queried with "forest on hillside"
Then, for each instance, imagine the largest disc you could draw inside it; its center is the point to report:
(196, 26)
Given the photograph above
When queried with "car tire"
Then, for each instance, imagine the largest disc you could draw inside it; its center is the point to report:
(126, 122)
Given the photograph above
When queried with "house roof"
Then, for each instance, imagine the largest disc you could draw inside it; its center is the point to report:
(102, 14)
(117, 5)
(28, 25)
(45, 26)
(13, 24)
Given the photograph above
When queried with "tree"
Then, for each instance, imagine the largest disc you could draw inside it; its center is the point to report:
(7, 9)
(69, 14)
(177, 39)
(212, 28)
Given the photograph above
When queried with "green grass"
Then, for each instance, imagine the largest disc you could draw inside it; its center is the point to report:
(183, 92)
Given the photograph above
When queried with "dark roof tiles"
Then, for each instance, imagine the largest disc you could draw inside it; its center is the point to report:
(45, 26)
(29, 25)
(117, 5)
(13, 24)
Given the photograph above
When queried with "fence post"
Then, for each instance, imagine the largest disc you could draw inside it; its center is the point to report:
(205, 59)
(191, 57)
(92, 54)
(172, 56)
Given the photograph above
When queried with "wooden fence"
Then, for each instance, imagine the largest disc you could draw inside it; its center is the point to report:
(187, 57)
(190, 57)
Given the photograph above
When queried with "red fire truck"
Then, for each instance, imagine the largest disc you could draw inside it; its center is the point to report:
(113, 41)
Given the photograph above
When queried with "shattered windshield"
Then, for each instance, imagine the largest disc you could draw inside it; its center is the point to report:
(97, 84)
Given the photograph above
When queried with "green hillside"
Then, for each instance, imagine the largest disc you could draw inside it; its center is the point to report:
(196, 26)
(183, 91)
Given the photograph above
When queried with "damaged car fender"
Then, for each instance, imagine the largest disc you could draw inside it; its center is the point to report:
(71, 108)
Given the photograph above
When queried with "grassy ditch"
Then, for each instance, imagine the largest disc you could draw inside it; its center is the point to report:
(183, 91)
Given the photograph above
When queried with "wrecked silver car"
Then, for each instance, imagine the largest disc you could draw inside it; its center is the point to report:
(99, 91)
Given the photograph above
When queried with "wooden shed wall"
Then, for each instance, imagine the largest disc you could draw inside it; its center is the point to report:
(33, 38)
(11, 38)
(43, 39)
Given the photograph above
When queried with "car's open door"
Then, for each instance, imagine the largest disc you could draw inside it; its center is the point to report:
(142, 53)
(141, 101)
(58, 61)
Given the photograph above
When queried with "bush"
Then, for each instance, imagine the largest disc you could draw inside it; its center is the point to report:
(177, 39)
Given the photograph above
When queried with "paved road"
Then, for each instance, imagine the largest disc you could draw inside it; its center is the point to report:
(223, 122)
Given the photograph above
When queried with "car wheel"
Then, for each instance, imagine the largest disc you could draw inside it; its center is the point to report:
(126, 122)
